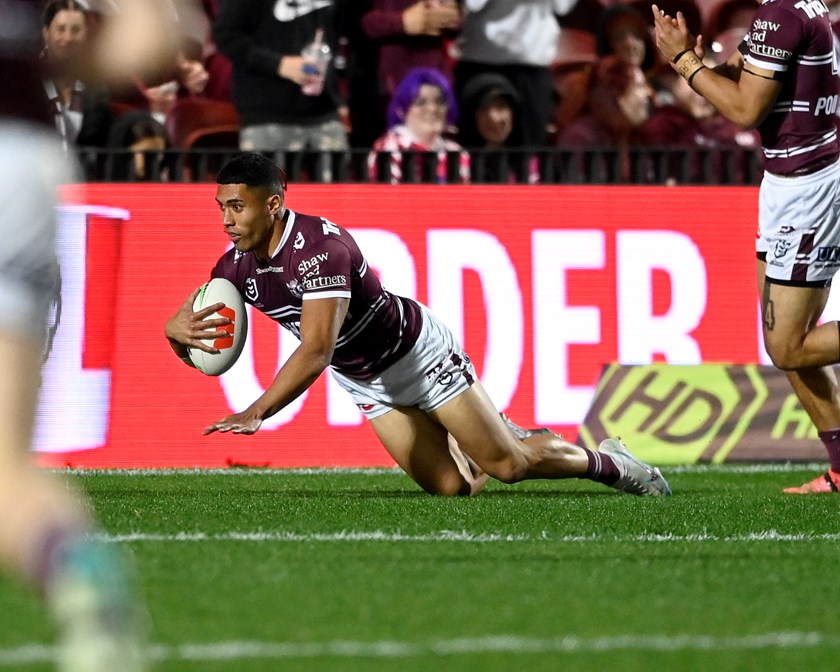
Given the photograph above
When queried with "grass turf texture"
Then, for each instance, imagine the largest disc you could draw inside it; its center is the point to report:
(345, 570)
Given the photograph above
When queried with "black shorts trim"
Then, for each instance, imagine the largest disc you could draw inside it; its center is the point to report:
(813, 284)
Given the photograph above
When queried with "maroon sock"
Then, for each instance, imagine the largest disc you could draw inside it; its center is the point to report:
(831, 439)
(601, 468)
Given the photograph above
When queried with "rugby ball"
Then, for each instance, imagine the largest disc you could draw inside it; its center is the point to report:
(219, 290)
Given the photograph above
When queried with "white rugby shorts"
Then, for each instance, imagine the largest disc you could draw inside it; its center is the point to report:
(433, 372)
(32, 167)
(799, 227)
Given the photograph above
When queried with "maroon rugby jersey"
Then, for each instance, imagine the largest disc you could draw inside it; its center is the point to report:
(793, 38)
(318, 259)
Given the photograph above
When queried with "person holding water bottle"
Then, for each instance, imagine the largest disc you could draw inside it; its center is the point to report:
(284, 84)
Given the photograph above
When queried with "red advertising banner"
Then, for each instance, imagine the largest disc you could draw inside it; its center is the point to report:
(545, 285)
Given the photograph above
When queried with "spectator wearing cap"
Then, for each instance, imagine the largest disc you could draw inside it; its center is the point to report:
(520, 41)
(491, 129)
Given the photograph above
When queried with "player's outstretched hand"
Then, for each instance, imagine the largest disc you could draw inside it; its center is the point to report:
(193, 329)
(238, 423)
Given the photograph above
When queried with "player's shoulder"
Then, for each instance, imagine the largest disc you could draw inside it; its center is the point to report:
(792, 9)
(311, 230)
(231, 265)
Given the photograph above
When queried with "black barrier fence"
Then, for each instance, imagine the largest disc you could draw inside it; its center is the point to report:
(684, 166)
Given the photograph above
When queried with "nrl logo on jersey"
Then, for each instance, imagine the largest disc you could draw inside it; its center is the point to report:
(251, 291)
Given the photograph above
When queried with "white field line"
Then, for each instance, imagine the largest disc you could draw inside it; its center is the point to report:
(462, 536)
(757, 468)
(31, 654)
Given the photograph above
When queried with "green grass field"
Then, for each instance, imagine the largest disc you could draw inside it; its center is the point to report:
(358, 570)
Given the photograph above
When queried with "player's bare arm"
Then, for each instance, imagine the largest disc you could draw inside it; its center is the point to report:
(320, 322)
(745, 100)
(189, 329)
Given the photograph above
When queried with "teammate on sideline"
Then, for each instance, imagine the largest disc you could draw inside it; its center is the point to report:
(44, 527)
(401, 365)
(783, 81)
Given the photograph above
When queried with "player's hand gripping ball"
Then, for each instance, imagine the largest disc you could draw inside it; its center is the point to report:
(219, 290)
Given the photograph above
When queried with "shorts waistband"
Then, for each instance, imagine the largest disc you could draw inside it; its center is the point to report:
(805, 178)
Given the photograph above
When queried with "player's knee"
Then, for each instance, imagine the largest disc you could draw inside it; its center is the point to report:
(784, 356)
(449, 484)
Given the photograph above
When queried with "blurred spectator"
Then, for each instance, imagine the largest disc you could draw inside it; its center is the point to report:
(422, 106)
(618, 104)
(271, 78)
(186, 78)
(490, 128)
(146, 139)
(570, 73)
(81, 110)
(518, 41)
(624, 33)
(410, 34)
(728, 15)
(692, 123)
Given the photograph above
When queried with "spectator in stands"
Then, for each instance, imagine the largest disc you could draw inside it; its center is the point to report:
(691, 123)
(81, 111)
(146, 140)
(623, 32)
(490, 129)
(618, 104)
(410, 34)
(286, 104)
(422, 107)
(518, 41)
(570, 73)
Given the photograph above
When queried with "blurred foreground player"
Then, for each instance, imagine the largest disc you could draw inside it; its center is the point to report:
(44, 527)
(783, 81)
(401, 365)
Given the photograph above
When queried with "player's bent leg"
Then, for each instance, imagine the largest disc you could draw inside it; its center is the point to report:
(792, 336)
(424, 450)
(482, 434)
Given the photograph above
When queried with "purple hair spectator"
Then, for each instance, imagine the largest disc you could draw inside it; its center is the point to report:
(408, 91)
(422, 107)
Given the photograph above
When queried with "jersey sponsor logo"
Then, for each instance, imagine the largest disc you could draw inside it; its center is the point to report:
(298, 244)
(759, 24)
(270, 269)
(826, 105)
(829, 253)
(812, 8)
(251, 291)
(289, 10)
(773, 52)
(323, 282)
(312, 264)
(329, 228)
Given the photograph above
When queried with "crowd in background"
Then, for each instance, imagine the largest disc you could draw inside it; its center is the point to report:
(458, 91)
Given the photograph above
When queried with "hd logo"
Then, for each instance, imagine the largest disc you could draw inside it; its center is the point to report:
(705, 413)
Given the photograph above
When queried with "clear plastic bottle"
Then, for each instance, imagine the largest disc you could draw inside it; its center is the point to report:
(316, 59)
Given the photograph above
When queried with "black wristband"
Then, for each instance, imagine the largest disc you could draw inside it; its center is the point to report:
(694, 74)
(680, 55)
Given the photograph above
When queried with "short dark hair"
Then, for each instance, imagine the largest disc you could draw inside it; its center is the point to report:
(253, 169)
